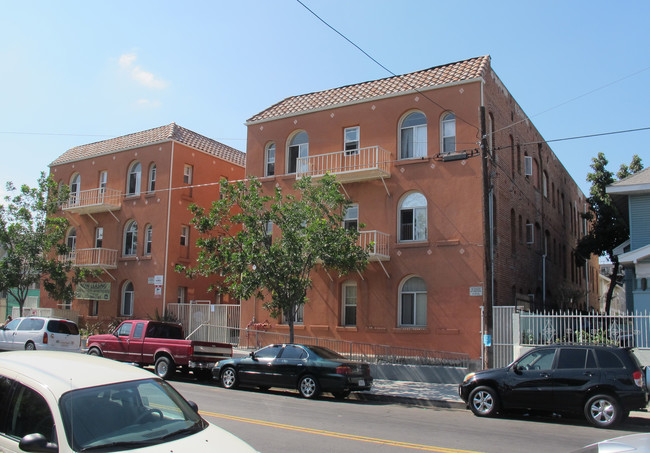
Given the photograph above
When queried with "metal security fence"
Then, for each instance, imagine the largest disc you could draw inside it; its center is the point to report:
(631, 330)
(199, 321)
(502, 337)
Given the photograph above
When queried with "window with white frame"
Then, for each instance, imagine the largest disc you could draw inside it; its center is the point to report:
(268, 233)
(185, 235)
(187, 174)
(128, 297)
(413, 136)
(269, 160)
(413, 218)
(349, 310)
(75, 188)
(182, 294)
(93, 307)
(351, 217)
(148, 238)
(103, 178)
(130, 238)
(151, 184)
(413, 303)
(99, 237)
(71, 240)
(297, 318)
(351, 140)
(448, 133)
(133, 179)
(298, 153)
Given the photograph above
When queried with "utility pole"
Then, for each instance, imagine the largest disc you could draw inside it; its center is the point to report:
(488, 294)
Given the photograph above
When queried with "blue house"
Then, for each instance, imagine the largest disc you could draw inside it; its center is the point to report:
(633, 194)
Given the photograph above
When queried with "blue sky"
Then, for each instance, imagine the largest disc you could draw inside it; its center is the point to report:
(76, 72)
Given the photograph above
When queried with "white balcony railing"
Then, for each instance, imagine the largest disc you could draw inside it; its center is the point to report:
(92, 258)
(348, 166)
(94, 200)
(379, 242)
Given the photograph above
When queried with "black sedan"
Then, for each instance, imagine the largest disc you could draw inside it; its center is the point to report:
(309, 369)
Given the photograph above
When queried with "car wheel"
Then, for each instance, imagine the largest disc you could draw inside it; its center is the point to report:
(484, 401)
(603, 411)
(95, 352)
(29, 346)
(341, 395)
(308, 387)
(164, 367)
(229, 378)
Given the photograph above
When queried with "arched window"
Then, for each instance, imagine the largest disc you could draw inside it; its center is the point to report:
(126, 308)
(269, 160)
(148, 238)
(298, 153)
(349, 309)
(151, 183)
(71, 239)
(413, 303)
(448, 133)
(133, 179)
(130, 238)
(413, 136)
(75, 188)
(413, 218)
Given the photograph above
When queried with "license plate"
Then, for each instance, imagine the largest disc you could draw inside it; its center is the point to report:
(361, 383)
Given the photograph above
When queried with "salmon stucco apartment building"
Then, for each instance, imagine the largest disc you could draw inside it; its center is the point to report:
(466, 205)
(129, 218)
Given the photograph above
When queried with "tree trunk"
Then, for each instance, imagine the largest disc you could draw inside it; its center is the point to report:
(612, 285)
(292, 317)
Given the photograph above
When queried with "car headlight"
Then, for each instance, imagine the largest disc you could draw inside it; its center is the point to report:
(468, 377)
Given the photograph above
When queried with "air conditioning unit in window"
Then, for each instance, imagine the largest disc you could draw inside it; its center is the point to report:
(528, 165)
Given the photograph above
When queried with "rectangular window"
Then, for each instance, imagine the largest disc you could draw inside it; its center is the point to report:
(185, 235)
(103, 176)
(93, 307)
(187, 174)
(351, 140)
(414, 309)
(148, 237)
(350, 304)
(530, 233)
(268, 233)
(528, 166)
(351, 218)
(182, 294)
(297, 319)
(99, 237)
(270, 160)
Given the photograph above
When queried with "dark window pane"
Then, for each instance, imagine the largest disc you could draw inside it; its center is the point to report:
(572, 358)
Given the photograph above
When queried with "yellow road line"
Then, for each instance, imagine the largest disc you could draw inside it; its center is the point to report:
(321, 432)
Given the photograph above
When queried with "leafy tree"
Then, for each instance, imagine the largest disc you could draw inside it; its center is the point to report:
(32, 239)
(238, 241)
(609, 225)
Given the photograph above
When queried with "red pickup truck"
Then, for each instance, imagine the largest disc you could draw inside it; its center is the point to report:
(160, 344)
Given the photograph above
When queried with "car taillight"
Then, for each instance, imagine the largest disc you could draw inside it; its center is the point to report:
(45, 338)
(343, 370)
(638, 378)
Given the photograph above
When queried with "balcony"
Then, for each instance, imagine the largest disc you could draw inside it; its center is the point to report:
(97, 258)
(380, 244)
(93, 201)
(349, 166)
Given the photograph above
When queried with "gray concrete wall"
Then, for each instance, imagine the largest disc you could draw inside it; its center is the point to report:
(418, 373)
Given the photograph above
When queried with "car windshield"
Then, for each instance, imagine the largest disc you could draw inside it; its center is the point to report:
(325, 353)
(127, 414)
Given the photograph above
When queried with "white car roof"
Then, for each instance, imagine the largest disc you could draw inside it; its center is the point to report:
(65, 371)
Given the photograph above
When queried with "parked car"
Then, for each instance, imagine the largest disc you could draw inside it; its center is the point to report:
(35, 332)
(309, 369)
(160, 344)
(64, 402)
(602, 382)
(639, 443)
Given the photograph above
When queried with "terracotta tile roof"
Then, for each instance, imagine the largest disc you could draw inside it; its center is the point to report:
(157, 135)
(439, 75)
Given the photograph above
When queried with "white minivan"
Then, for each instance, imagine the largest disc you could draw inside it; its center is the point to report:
(36, 332)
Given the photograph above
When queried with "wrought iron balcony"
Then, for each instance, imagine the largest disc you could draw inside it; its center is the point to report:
(348, 166)
(379, 250)
(93, 201)
(100, 258)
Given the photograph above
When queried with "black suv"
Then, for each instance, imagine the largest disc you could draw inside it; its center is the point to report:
(603, 382)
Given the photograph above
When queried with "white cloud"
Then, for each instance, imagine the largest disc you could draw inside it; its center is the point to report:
(148, 103)
(145, 78)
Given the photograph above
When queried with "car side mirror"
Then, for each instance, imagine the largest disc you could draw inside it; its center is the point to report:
(517, 368)
(115, 334)
(194, 406)
(37, 443)
(252, 355)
